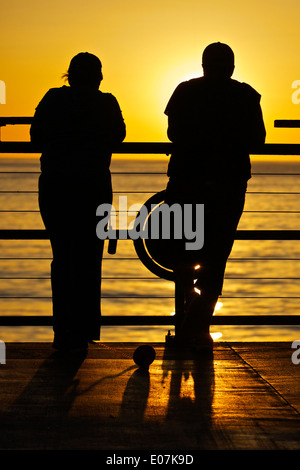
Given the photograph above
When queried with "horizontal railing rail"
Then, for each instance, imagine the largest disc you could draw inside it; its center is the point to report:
(158, 320)
(148, 148)
(37, 234)
(162, 148)
(287, 123)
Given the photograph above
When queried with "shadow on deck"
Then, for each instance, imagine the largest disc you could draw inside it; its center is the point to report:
(247, 397)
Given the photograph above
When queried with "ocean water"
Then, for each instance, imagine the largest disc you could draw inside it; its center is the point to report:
(262, 277)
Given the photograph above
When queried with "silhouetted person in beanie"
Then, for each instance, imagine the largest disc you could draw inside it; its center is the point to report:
(214, 122)
(76, 127)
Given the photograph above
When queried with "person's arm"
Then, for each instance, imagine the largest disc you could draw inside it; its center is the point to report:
(44, 119)
(178, 118)
(176, 129)
(37, 128)
(257, 131)
(255, 127)
(118, 124)
(41, 124)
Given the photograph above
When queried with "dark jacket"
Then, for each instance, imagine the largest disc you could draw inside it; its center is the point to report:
(76, 129)
(214, 125)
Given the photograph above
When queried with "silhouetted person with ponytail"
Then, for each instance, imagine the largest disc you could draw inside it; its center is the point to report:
(76, 127)
(213, 121)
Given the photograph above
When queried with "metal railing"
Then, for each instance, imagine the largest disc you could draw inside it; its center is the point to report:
(150, 148)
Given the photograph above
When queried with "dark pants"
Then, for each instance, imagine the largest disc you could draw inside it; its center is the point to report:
(223, 206)
(68, 209)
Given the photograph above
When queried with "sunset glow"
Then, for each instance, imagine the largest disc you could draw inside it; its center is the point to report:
(147, 48)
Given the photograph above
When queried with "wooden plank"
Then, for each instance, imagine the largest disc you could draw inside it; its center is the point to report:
(184, 402)
(273, 361)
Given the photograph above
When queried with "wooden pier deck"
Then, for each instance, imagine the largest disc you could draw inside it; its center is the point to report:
(246, 397)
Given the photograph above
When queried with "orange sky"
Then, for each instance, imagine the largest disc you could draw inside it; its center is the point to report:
(146, 49)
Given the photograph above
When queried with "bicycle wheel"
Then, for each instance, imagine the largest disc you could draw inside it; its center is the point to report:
(155, 254)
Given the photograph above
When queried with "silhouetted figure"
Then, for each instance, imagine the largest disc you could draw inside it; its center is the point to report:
(76, 127)
(213, 122)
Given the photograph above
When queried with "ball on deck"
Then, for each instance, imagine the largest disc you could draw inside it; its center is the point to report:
(144, 355)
